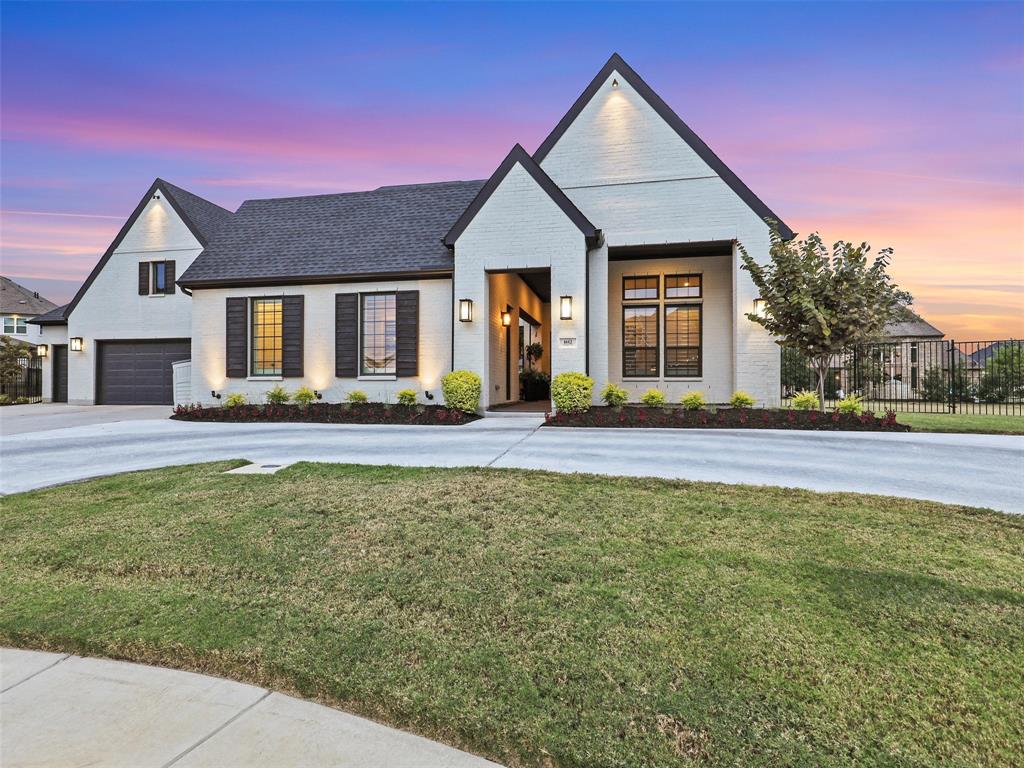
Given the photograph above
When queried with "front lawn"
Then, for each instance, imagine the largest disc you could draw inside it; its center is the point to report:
(551, 620)
(1000, 424)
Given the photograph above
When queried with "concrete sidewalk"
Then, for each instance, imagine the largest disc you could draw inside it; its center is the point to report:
(59, 710)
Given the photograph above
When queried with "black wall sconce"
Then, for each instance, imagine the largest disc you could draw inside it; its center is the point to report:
(213, 393)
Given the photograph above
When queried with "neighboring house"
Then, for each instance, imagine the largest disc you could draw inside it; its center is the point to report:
(615, 245)
(18, 305)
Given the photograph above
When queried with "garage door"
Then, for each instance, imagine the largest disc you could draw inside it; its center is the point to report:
(139, 372)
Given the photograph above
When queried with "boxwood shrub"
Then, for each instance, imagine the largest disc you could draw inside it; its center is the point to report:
(572, 392)
(614, 395)
(461, 390)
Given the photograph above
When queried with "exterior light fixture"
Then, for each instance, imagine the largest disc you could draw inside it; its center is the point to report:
(615, 83)
(759, 307)
(319, 395)
(42, 350)
(506, 318)
(213, 393)
(427, 394)
(565, 307)
(76, 343)
(465, 310)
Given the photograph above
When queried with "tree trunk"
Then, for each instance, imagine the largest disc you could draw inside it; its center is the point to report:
(822, 365)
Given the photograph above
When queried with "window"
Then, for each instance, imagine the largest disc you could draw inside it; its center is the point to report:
(643, 287)
(379, 345)
(159, 273)
(15, 324)
(266, 337)
(682, 340)
(640, 341)
(682, 286)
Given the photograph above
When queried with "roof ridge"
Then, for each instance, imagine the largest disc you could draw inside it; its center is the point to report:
(326, 195)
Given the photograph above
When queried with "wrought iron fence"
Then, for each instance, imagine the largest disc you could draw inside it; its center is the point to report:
(27, 385)
(926, 375)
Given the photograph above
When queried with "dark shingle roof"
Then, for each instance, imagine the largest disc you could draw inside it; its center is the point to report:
(910, 324)
(388, 230)
(205, 216)
(57, 316)
(16, 299)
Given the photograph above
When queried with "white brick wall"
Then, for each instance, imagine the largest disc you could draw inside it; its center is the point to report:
(49, 335)
(209, 342)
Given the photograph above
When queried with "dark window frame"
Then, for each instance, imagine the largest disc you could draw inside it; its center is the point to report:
(361, 368)
(657, 287)
(657, 341)
(155, 268)
(700, 286)
(253, 335)
(700, 338)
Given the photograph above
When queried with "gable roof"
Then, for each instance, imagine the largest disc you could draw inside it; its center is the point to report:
(388, 231)
(16, 299)
(56, 316)
(202, 218)
(617, 64)
(522, 157)
(910, 324)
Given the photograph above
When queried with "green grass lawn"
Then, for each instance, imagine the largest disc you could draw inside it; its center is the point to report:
(963, 422)
(551, 620)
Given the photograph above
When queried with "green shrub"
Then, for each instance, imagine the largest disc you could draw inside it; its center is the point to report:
(461, 390)
(613, 395)
(849, 404)
(278, 396)
(572, 392)
(21, 401)
(653, 398)
(5, 399)
(234, 399)
(407, 397)
(304, 396)
(741, 399)
(693, 401)
(357, 396)
(806, 400)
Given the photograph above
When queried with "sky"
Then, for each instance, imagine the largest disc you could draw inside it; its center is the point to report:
(897, 124)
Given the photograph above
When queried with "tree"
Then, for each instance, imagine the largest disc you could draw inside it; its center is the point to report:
(1004, 373)
(12, 352)
(820, 304)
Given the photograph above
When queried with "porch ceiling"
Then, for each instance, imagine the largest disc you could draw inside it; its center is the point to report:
(670, 250)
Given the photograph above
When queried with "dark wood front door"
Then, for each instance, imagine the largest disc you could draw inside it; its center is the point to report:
(60, 373)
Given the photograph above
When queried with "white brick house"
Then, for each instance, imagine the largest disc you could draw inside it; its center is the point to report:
(615, 246)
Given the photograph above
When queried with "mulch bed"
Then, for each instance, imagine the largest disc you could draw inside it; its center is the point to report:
(726, 418)
(328, 413)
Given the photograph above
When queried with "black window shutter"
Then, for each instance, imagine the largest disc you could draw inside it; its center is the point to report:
(169, 277)
(237, 337)
(292, 333)
(143, 278)
(346, 335)
(407, 305)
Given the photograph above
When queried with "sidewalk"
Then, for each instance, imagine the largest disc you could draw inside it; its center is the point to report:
(60, 710)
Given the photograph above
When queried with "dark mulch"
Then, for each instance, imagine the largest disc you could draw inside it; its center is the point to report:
(328, 413)
(726, 418)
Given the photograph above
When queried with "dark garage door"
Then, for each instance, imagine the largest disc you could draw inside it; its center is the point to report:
(139, 372)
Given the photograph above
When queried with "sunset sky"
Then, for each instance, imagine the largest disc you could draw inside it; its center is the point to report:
(902, 125)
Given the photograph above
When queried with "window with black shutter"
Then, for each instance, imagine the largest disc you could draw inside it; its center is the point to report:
(346, 335)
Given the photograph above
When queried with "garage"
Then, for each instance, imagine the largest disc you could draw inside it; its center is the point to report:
(138, 372)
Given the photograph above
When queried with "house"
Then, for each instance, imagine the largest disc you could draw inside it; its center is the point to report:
(18, 305)
(614, 245)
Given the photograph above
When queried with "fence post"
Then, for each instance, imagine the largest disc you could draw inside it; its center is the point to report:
(952, 376)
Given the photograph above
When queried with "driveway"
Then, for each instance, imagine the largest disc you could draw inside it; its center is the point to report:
(976, 470)
(60, 710)
(40, 417)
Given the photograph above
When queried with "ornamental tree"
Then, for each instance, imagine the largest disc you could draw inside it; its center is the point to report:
(12, 352)
(820, 304)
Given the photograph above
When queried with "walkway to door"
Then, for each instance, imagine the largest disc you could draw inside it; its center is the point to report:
(522, 406)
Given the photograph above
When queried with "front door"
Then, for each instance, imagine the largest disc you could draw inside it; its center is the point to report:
(60, 373)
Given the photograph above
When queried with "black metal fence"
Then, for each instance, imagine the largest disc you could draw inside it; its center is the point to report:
(26, 386)
(926, 375)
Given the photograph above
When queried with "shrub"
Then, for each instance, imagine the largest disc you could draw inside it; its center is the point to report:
(5, 399)
(21, 400)
(806, 400)
(653, 398)
(693, 401)
(278, 396)
(461, 390)
(304, 396)
(357, 396)
(741, 399)
(407, 397)
(849, 404)
(613, 395)
(572, 392)
(234, 399)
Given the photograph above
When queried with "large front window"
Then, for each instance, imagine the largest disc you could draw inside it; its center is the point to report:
(640, 342)
(266, 337)
(379, 342)
(682, 340)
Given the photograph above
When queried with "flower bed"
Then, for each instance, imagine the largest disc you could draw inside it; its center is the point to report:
(328, 413)
(726, 418)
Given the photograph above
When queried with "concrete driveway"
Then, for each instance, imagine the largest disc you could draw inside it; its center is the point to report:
(976, 470)
(59, 710)
(41, 417)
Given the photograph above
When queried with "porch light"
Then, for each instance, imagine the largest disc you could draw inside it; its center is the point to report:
(506, 318)
(759, 307)
(565, 307)
(465, 310)
(213, 394)
(42, 350)
(76, 343)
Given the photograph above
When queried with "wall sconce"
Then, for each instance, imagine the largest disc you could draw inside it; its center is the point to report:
(615, 83)
(213, 393)
(506, 318)
(76, 343)
(760, 307)
(319, 395)
(465, 310)
(428, 395)
(42, 350)
(565, 307)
